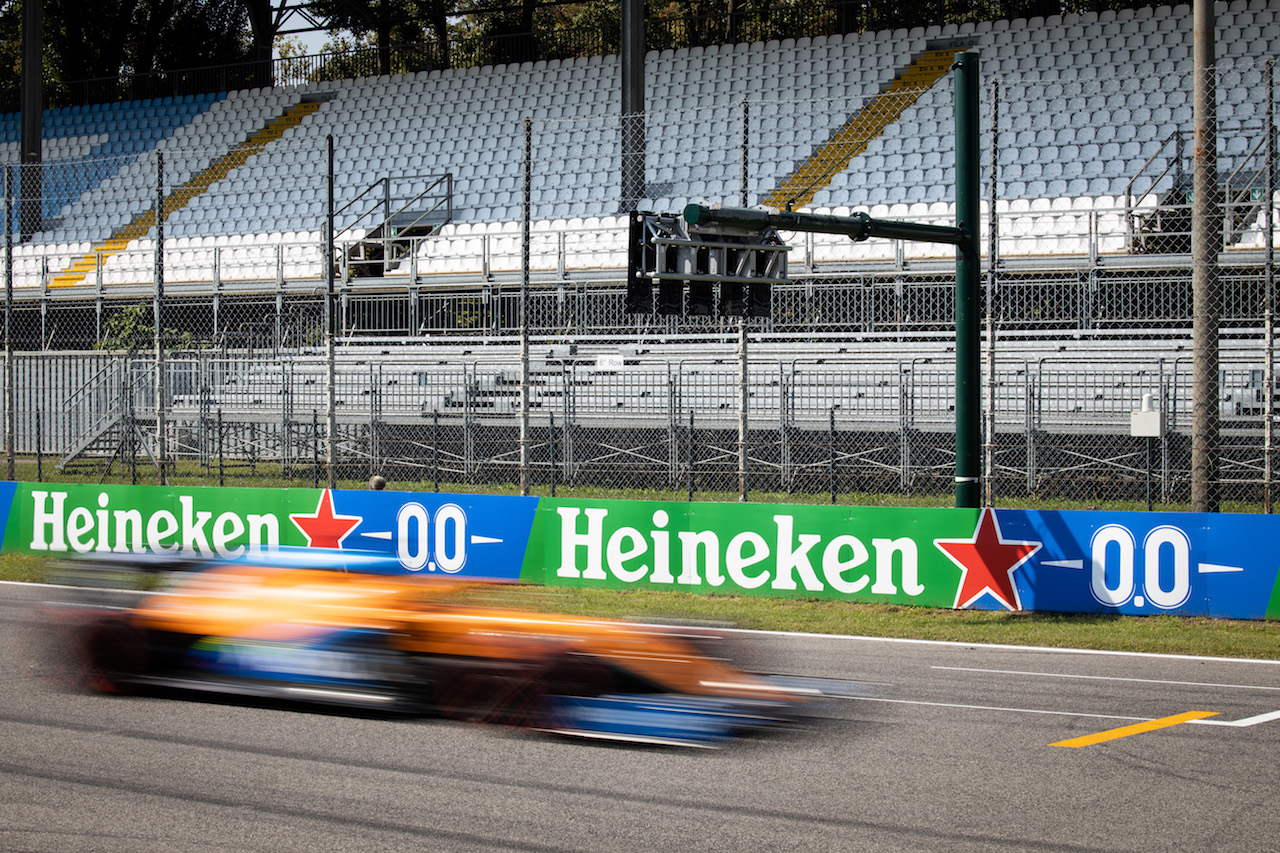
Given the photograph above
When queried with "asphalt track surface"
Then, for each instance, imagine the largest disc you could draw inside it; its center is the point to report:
(948, 747)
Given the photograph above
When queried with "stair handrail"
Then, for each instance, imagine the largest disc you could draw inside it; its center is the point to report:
(105, 419)
(443, 201)
(92, 383)
(446, 201)
(1130, 202)
(1229, 203)
(384, 202)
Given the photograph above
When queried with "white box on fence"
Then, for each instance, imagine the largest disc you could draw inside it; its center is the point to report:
(1148, 423)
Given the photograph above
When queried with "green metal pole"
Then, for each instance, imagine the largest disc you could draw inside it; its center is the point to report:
(968, 277)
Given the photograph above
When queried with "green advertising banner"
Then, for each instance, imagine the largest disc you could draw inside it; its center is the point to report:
(76, 519)
(871, 554)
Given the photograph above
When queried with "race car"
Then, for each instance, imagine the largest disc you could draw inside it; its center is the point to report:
(360, 632)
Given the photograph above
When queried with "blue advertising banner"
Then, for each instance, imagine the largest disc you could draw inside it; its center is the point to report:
(476, 536)
(1140, 563)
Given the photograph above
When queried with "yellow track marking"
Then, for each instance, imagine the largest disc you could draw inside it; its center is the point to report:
(1135, 729)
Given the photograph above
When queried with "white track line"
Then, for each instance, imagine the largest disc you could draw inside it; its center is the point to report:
(1209, 721)
(995, 708)
(1107, 678)
(967, 645)
(1238, 724)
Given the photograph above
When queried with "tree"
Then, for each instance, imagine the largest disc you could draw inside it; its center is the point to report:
(11, 53)
(106, 40)
(392, 24)
(190, 34)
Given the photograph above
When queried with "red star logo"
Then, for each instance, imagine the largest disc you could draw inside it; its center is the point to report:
(987, 563)
(323, 529)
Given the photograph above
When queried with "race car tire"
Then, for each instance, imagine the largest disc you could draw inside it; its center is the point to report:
(516, 693)
(471, 690)
(111, 654)
(569, 674)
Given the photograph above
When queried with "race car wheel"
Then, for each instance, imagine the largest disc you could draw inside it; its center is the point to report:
(569, 674)
(469, 690)
(518, 693)
(111, 654)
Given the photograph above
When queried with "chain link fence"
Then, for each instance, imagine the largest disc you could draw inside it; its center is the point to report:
(469, 358)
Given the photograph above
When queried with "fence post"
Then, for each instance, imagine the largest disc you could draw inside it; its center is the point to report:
(526, 204)
(1268, 272)
(331, 326)
(1030, 393)
(131, 423)
(968, 479)
(743, 367)
(744, 172)
(375, 386)
(786, 466)
(743, 376)
(435, 451)
(315, 449)
(10, 429)
(161, 456)
(689, 457)
(831, 453)
(221, 480)
(551, 446)
(1205, 246)
(993, 259)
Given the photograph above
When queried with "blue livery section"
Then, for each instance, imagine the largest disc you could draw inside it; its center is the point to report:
(655, 718)
(306, 656)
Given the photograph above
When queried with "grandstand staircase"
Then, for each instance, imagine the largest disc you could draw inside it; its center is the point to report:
(392, 235)
(106, 406)
(183, 195)
(855, 135)
(99, 441)
(1166, 230)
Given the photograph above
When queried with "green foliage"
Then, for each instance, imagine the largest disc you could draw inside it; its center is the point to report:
(111, 39)
(132, 329)
(390, 25)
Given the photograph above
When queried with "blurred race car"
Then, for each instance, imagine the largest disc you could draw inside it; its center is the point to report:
(352, 633)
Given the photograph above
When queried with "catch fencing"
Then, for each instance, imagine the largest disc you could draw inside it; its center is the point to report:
(875, 430)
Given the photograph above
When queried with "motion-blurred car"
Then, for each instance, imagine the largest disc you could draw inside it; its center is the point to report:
(352, 635)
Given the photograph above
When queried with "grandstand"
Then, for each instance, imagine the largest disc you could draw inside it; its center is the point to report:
(1088, 121)
(1085, 126)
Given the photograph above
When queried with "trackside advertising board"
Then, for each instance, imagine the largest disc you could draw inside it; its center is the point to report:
(1076, 562)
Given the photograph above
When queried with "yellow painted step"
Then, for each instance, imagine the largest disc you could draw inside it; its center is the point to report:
(853, 138)
(183, 195)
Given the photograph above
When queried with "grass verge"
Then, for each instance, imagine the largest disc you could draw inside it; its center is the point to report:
(1162, 634)
(265, 474)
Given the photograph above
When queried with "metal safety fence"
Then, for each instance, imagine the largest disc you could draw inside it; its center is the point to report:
(869, 429)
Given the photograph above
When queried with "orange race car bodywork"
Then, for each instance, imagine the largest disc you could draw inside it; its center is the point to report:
(417, 643)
